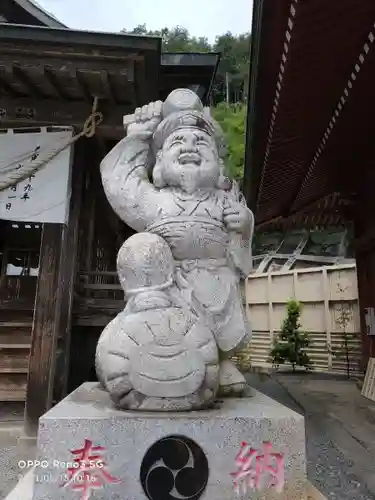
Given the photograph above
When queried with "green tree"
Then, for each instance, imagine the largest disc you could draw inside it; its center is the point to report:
(290, 344)
(232, 118)
(234, 65)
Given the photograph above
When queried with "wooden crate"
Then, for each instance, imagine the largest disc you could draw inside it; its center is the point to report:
(368, 389)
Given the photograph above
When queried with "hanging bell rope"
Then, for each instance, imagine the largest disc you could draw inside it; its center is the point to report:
(89, 128)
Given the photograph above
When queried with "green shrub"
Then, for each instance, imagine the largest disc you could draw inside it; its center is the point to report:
(291, 344)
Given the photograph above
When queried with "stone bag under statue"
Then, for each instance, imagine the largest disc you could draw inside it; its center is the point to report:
(166, 177)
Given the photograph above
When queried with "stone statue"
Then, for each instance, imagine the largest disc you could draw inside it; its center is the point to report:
(166, 177)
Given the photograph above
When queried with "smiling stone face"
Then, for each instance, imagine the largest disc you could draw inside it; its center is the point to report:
(189, 159)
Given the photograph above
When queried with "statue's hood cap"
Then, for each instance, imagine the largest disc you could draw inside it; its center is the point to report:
(201, 120)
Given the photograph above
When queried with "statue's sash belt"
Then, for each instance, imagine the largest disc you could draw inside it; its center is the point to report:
(208, 264)
(183, 219)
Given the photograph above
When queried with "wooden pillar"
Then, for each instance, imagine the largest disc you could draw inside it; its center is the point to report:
(53, 304)
(366, 285)
(45, 328)
(68, 265)
(364, 247)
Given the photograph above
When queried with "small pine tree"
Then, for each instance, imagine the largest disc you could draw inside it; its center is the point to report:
(290, 344)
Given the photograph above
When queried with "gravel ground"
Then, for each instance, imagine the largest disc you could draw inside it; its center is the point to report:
(339, 464)
(11, 453)
(328, 468)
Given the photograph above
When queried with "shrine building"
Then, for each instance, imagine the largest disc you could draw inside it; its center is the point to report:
(310, 152)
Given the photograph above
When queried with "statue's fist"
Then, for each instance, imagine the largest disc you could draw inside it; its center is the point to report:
(237, 217)
(144, 119)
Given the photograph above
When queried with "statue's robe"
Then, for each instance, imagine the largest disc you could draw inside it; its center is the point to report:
(209, 259)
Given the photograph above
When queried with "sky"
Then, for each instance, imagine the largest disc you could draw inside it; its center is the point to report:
(207, 18)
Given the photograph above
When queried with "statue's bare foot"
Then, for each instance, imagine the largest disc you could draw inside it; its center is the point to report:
(231, 380)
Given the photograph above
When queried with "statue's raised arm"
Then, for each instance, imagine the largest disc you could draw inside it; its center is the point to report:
(124, 170)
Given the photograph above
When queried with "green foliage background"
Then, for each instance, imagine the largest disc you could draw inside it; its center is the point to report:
(232, 118)
(234, 67)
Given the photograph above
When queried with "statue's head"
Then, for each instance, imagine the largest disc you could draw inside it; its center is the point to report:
(188, 150)
(145, 263)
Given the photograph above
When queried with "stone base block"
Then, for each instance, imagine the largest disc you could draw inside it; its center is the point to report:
(166, 456)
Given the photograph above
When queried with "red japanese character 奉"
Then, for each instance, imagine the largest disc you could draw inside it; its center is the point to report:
(89, 472)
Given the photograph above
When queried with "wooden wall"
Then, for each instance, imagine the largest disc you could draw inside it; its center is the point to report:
(364, 247)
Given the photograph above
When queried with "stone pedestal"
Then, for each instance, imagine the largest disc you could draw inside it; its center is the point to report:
(139, 450)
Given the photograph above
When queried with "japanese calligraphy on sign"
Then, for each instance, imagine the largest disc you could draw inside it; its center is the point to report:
(258, 469)
(44, 195)
(89, 471)
(22, 190)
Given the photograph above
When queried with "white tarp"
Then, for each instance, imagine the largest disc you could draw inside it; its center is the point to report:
(45, 196)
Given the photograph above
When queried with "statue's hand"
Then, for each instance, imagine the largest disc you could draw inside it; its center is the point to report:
(237, 217)
(145, 119)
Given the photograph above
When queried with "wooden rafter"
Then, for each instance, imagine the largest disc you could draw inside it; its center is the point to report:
(82, 82)
(23, 75)
(53, 81)
(329, 210)
(11, 85)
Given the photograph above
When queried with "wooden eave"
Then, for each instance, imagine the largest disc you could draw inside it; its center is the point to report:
(194, 70)
(309, 132)
(331, 211)
(51, 76)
